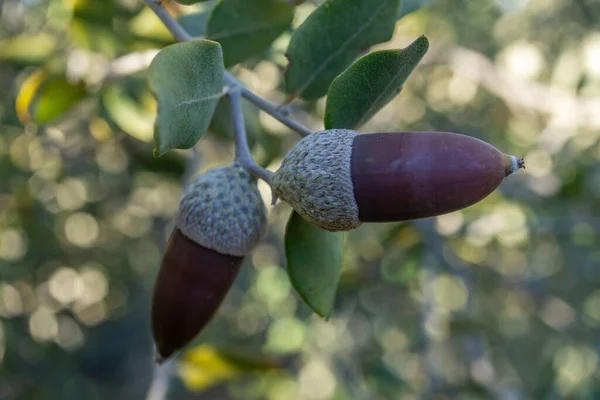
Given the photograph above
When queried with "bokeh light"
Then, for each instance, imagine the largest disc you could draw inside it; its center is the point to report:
(499, 300)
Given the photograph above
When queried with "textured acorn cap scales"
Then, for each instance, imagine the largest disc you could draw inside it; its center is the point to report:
(315, 179)
(223, 210)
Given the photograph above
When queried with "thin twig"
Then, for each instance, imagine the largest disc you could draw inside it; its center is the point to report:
(242, 150)
(160, 382)
(270, 108)
(275, 111)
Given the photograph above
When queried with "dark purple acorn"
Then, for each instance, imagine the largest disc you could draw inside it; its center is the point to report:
(338, 179)
(195, 280)
(221, 218)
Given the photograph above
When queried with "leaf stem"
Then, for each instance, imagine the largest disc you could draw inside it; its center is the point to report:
(242, 149)
(272, 109)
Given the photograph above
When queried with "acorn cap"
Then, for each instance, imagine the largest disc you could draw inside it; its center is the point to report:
(221, 218)
(223, 210)
(315, 179)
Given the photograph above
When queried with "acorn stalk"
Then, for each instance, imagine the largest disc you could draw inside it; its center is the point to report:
(221, 218)
(338, 179)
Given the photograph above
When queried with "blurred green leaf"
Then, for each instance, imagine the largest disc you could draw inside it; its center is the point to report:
(408, 6)
(128, 114)
(95, 37)
(401, 265)
(94, 11)
(314, 258)
(545, 378)
(331, 38)
(55, 97)
(43, 98)
(221, 123)
(187, 80)
(247, 28)
(369, 84)
(205, 365)
(269, 148)
(146, 24)
(28, 48)
(195, 23)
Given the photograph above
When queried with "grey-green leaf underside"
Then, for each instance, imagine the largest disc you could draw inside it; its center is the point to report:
(187, 81)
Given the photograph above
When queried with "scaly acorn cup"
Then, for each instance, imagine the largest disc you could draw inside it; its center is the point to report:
(337, 179)
(221, 218)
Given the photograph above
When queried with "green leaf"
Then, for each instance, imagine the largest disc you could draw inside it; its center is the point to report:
(331, 38)
(247, 28)
(187, 81)
(314, 258)
(55, 97)
(194, 24)
(369, 84)
(43, 98)
(408, 6)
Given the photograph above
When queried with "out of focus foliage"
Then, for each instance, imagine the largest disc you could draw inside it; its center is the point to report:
(498, 301)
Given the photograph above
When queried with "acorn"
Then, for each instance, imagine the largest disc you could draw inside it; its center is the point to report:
(338, 179)
(221, 218)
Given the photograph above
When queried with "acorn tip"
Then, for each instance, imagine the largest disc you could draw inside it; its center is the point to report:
(159, 359)
(513, 164)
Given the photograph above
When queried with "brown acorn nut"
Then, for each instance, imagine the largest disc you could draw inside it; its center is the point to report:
(221, 218)
(338, 179)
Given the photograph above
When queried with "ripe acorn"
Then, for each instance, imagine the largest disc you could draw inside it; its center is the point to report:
(221, 218)
(338, 179)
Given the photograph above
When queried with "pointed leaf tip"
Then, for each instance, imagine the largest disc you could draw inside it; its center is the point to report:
(370, 83)
(350, 27)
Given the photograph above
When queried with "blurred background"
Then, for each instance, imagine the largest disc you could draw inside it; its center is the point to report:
(498, 301)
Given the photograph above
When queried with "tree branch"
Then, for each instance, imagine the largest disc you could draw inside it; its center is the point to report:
(160, 382)
(273, 110)
(242, 150)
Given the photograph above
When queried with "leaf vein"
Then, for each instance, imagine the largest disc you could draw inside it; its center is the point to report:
(195, 101)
